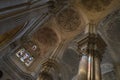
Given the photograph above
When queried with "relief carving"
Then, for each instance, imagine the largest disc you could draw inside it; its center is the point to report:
(46, 36)
(95, 5)
(68, 19)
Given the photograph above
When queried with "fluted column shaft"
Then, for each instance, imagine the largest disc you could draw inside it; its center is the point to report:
(83, 66)
(97, 68)
(93, 46)
(90, 67)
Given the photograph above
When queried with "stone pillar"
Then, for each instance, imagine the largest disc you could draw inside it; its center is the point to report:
(83, 66)
(97, 68)
(92, 45)
(90, 67)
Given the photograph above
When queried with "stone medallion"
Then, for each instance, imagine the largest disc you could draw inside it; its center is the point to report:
(68, 19)
(95, 5)
(46, 36)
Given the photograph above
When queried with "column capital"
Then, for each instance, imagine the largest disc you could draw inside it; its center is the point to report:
(91, 42)
(45, 76)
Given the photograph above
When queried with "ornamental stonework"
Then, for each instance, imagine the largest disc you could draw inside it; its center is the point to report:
(68, 19)
(46, 36)
(95, 5)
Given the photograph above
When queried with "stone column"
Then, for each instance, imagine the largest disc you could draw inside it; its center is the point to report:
(90, 67)
(91, 44)
(97, 68)
(83, 66)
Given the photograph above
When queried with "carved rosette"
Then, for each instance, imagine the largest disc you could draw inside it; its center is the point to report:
(69, 19)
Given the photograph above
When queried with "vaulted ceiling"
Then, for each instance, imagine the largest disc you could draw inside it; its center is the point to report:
(63, 26)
